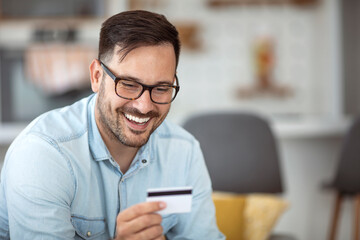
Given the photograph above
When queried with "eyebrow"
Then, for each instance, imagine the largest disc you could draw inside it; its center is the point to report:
(131, 78)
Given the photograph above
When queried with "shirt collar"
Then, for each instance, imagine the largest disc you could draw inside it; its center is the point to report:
(97, 146)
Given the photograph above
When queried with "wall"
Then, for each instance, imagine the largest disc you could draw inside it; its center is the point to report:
(306, 58)
(307, 50)
(351, 35)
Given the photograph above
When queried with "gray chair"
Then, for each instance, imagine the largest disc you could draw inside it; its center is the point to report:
(347, 179)
(240, 152)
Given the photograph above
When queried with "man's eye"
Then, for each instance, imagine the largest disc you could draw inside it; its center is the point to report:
(128, 84)
(163, 89)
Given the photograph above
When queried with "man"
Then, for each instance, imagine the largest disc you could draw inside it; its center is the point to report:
(82, 171)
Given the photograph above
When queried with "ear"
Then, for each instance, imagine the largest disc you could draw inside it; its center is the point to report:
(96, 75)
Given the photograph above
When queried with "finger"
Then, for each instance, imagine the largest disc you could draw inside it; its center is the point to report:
(139, 210)
(140, 223)
(154, 232)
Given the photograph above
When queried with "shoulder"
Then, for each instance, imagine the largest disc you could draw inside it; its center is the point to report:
(61, 124)
(173, 139)
(169, 130)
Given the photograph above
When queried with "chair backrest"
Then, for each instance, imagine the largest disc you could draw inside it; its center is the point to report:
(240, 151)
(347, 178)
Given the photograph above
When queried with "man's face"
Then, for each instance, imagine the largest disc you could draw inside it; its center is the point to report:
(132, 121)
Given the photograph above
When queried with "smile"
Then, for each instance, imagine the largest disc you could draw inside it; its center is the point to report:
(137, 120)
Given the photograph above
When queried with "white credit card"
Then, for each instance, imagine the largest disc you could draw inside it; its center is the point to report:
(177, 199)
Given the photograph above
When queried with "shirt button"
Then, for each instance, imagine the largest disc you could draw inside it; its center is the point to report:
(143, 161)
(88, 234)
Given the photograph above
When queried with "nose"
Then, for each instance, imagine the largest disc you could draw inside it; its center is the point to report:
(144, 103)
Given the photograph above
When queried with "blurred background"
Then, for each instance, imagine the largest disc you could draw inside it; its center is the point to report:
(292, 61)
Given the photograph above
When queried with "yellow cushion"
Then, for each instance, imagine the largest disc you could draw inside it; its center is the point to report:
(229, 214)
(247, 217)
(260, 215)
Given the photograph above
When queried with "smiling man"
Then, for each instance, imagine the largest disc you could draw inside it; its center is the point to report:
(82, 172)
(130, 120)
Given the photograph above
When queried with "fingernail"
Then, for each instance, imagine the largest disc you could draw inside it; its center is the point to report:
(162, 205)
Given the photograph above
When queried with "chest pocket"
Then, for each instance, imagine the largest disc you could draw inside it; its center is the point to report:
(168, 222)
(89, 228)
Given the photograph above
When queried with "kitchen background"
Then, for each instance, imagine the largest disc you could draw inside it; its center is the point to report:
(293, 61)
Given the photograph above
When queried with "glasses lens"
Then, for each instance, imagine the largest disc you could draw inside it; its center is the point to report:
(132, 90)
(163, 94)
(128, 89)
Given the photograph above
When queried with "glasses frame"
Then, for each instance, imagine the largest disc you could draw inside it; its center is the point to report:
(144, 86)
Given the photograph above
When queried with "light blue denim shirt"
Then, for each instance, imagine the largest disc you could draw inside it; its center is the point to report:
(59, 181)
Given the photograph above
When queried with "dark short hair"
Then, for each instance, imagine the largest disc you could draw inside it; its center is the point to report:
(133, 29)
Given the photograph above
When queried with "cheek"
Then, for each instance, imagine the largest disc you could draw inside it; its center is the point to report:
(163, 110)
(111, 102)
(109, 110)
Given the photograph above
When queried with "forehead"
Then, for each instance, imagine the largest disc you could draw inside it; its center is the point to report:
(147, 62)
(121, 53)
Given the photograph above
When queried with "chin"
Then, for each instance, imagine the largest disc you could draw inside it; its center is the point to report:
(134, 139)
(134, 143)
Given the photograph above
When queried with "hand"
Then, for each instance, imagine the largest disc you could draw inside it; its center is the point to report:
(140, 222)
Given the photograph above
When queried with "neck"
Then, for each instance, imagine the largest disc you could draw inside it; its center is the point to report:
(121, 153)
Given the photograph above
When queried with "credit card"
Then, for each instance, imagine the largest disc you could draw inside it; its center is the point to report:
(178, 199)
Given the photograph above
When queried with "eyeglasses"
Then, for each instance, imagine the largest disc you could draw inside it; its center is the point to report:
(131, 90)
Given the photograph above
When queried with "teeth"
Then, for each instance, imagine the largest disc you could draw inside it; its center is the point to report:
(136, 119)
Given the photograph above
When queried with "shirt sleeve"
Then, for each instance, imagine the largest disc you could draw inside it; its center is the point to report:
(39, 187)
(201, 222)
